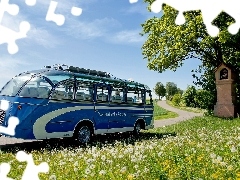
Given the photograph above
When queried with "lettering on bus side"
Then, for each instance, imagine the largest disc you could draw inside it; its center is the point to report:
(112, 114)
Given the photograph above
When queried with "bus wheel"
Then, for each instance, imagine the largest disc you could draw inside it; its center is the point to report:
(84, 134)
(137, 128)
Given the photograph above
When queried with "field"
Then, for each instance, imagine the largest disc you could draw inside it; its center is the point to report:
(160, 113)
(202, 148)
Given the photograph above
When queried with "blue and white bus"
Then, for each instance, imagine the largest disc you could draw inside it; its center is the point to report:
(61, 102)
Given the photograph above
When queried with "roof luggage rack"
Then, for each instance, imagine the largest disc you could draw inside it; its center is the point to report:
(88, 71)
(57, 66)
(73, 69)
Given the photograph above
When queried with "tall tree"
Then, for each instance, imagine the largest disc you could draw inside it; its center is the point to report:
(180, 91)
(171, 89)
(160, 90)
(168, 45)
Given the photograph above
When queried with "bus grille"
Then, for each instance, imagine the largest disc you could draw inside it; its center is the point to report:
(2, 115)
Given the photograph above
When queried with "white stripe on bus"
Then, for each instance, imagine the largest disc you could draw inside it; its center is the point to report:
(39, 126)
(39, 130)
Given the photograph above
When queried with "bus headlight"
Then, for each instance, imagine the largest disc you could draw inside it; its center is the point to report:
(19, 107)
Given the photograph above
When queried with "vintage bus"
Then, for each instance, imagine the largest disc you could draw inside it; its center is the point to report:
(60, 101)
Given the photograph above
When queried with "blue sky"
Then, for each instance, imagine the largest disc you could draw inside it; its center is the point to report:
(104, 37)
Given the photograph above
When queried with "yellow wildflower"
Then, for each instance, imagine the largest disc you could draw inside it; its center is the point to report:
(130, 177)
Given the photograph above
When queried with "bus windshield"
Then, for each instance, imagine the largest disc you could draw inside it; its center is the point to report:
(14, 85)
(37, 87)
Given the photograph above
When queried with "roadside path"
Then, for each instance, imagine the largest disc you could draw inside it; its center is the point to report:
(183, 115)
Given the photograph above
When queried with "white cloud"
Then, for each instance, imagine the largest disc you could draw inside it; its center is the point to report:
(64, 6)
(93, 29)
(42, 37)
(9, 67)
(105, 28)
(35, 35)
(137, 9)
(127, 36)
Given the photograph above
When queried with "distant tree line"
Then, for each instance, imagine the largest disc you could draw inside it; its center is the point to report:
(191, 97)
(167, 91)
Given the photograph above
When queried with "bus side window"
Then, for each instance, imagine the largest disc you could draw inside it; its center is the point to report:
(80, 96)
(117, 95)
(84, 92)
(24, 92)
(102, 93)
(134, 96)
(43, 92)
(149, 98)
(60, 93)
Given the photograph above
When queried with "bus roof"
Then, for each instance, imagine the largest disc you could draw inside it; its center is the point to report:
(92, 75)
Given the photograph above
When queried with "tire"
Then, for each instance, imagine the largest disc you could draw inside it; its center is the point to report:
(137, 128)
(84, 134)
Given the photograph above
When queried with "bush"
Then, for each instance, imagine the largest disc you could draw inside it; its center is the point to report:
(204, 99)
(189, 96)
(176, 100)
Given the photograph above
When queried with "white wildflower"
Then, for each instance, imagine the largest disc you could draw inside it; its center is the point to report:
(160, 153)
(233, 149)
(123, 170)
(102, 172)
(53, 177)
(103, 157)
(76, 163)
(87, 171)
(212, 155)
(219, 158)
(92, 166)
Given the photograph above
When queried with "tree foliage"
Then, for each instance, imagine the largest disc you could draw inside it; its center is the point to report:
(204, 99)
(176, 100)
(180, 91)
(160, 90)
(168, 45)
(171, 89)
(189, 96)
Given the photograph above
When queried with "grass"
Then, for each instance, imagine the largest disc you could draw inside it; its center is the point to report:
(201, 148)
(160, 113)
(189, 109)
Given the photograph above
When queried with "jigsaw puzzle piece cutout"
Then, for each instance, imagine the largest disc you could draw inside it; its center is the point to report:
(180, 6)
(133, 1)
(4, 170)
(156, 6)
(234, 28)
(76, 11)
(12, 123)
(231, 7)
(4, 105)
(208, 13)
(12, 9)
(51, 16)
(30, 2)
(32, 170)
(9, 36)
